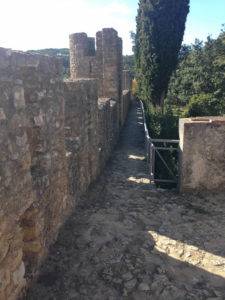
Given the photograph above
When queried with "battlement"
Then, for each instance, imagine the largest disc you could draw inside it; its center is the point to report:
(82, 45)
(103, 63)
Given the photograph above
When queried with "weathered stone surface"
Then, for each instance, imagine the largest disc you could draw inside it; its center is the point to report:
(129, 285)
(143, 287)
(2, 114)
(103, 64)
(103, 252)
(19, 274)
(55, 137)
(202, 145)
(4, 247)
(127, 80)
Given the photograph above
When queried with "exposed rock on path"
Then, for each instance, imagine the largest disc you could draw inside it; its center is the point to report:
(128, 240)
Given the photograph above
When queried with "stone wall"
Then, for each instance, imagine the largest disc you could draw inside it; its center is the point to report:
(32, 163)
(202, 144)
(81, 133)
(127, 80)
(55, 139)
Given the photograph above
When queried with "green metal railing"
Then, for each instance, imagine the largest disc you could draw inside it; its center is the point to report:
(151, 150)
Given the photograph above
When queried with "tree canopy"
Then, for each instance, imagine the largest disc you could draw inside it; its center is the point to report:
(198, 83)
(159, 34)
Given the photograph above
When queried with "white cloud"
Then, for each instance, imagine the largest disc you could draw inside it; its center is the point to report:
(27, 24)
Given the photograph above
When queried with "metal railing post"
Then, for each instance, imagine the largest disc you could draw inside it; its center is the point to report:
(151, 150)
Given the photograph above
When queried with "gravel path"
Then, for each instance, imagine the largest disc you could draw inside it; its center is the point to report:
(128, 240)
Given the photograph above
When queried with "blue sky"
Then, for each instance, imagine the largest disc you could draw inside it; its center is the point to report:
(38, 24)
(205, 18)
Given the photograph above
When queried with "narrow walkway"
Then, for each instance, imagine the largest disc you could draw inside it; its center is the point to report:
(128, 240)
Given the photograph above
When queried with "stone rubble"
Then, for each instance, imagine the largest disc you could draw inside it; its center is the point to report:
(128, 240)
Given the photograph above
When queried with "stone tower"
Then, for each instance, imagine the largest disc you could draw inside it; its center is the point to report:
(103, 63)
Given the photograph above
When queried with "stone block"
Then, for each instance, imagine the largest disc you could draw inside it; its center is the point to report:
(4, 281)
(4, 247)
(202, 146)
(2, 115)
(18, 274)
(19, 100)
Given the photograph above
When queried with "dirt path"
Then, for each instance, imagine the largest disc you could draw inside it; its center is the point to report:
(128, 240)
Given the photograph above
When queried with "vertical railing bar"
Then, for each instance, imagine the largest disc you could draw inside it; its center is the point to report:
(153, 162)
(163, 160)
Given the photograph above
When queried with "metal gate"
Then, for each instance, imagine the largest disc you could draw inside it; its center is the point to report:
(153, 148)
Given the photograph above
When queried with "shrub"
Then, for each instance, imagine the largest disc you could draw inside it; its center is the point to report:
(205, 105)
(163, 126)
(134, 86)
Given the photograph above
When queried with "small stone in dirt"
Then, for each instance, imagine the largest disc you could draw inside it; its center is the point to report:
(132, 214)
(217, 262)
(124, 292)
(142, 174)
(117, 280)
(127, 276)
(130, 284)
(187, 218)
(143, 287)
(113, 260)
(162, 190)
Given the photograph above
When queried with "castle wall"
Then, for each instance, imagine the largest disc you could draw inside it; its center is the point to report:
(125, 105)
(81, 133)
(83, 63)
(107, 126)
(202, 145)
(127, 80)
(55, 139)
(32, 161)
(104, 64)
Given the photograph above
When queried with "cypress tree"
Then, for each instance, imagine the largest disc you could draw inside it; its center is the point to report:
(159, 34)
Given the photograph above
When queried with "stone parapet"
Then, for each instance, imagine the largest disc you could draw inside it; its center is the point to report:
(202, 145)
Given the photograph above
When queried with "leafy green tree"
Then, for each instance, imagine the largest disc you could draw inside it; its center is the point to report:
(159, 34)
(199, 79)
(128, 64)
(205, 105)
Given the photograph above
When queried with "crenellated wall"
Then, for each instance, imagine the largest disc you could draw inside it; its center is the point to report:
(103, 64)
(55, 138)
